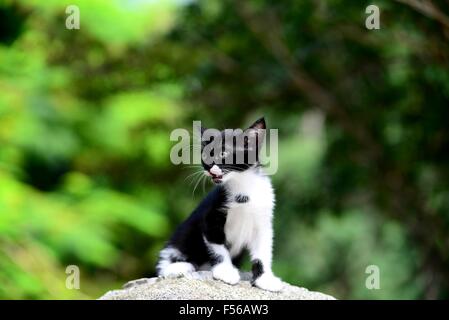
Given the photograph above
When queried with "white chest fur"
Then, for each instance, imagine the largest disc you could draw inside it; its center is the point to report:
(245, 221)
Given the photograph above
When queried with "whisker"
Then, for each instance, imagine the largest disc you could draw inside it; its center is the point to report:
(196, 185)
(204, 187)
(192, 182)
(233, 167)
(192, 174)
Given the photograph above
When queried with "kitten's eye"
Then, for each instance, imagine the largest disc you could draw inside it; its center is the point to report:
(223, 154)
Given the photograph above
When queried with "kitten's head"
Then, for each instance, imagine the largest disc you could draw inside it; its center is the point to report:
(230, 151)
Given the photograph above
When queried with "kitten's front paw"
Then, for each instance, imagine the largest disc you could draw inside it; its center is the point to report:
(226, 273)
(177, 269)
(269, 282)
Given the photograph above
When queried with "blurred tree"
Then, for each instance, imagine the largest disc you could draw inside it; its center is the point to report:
(85, 117)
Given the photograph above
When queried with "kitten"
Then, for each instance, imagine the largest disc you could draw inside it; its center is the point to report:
(235, 216)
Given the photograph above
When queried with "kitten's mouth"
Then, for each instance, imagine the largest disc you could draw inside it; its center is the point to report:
(216, 178)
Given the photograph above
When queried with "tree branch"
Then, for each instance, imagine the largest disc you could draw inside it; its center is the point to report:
(427, 8)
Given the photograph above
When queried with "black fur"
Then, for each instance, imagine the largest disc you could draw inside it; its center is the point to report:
(208, 219)
(240, 198)
(257, 269)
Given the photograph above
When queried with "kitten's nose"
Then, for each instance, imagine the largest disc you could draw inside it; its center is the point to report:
(216, 174)
(215, 171)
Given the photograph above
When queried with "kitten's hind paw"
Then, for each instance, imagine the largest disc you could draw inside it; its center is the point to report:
(240, 198)
(226, 273)
(177, 269)
(269, 282)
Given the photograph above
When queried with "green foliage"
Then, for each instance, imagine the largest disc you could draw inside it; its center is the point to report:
(57, 206)
(86, 115)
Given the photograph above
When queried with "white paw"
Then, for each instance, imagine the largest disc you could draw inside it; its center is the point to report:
(177, 269)
(269, 282)
(226, 273)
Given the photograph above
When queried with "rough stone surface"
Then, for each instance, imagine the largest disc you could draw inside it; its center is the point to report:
(201, 286)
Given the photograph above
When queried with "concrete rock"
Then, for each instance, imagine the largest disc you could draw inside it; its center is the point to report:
(201, 286)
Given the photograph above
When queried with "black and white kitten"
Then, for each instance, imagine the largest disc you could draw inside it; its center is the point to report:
(235, 216)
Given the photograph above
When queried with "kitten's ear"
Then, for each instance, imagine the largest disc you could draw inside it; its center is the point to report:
(256, 132)
(259, 124)
(202, 130)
